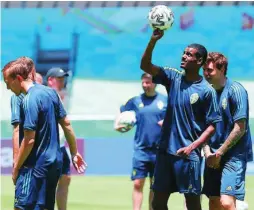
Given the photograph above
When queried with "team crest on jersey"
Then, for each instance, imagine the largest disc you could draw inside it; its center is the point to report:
(194, 98)
(160, 105)
(229, 188)
(141, 105)
(134, 172)
(224, 103)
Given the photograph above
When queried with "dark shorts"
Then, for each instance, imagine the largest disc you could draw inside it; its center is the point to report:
(32, 192)
(142, 169)
(176, 174)
(228, 180)
(66, 170)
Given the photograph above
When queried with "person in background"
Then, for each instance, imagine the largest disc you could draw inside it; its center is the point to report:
(150, 109)
(56, 78)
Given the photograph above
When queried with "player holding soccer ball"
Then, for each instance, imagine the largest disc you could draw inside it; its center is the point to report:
(190, 119)
(230, 148)
(150, 110)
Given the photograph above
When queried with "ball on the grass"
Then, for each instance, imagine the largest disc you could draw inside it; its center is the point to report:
(161, 17)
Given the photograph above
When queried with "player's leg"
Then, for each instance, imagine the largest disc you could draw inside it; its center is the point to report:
(214, 203)
(151, 168)
(192, 201)
(163, 182)
(139, 173)
(228, 202)
(51, 184)
(150, 199)
(188, 180)
(62, 191)
(25, 190)
(211, 187)
(233, 183)
(64, 182)
(137, 195)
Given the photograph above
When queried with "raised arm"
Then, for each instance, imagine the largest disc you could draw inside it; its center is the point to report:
(146, 61)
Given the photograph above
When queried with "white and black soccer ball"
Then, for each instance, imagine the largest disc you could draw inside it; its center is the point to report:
(241, 205)
(161, 17)
(127, 119)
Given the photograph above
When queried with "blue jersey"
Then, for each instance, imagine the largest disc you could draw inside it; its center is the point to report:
(192, 107)
(40, 112)
(149, 111)
(234, 105)
(16, 102)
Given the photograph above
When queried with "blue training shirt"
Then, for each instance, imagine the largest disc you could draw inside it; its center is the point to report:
(234, 105)
(40, 112)
(149, 111)
(192, 107)
(16, 102)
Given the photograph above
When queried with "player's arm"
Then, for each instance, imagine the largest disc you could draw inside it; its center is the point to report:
(15, 118)
(204, 137)
(212, 116)
(239, 111)
(234, 136)
(77, 160)
(146, 61)
(25, 148)
(69, 135)
(15, 141)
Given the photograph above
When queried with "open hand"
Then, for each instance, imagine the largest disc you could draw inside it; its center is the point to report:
(79, 164)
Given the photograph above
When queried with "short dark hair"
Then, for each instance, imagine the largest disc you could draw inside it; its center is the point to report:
(219, 60)
(146, 75)
(201, 51)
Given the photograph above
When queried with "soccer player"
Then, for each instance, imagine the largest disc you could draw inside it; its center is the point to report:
(56, 79)
(150, 110)
(15, 105)
(38, 165)
(230, 148)
(189, 122)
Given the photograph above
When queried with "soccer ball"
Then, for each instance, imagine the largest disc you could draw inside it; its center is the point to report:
(241, 205)
(127, 119)
(161, 17)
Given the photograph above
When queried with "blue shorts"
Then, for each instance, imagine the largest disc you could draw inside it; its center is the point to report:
(141, 169)
(176, 174)
(228, 180)
(32, 192)
(66, 170)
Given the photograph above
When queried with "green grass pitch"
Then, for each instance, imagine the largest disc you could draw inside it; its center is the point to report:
(108, 193)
